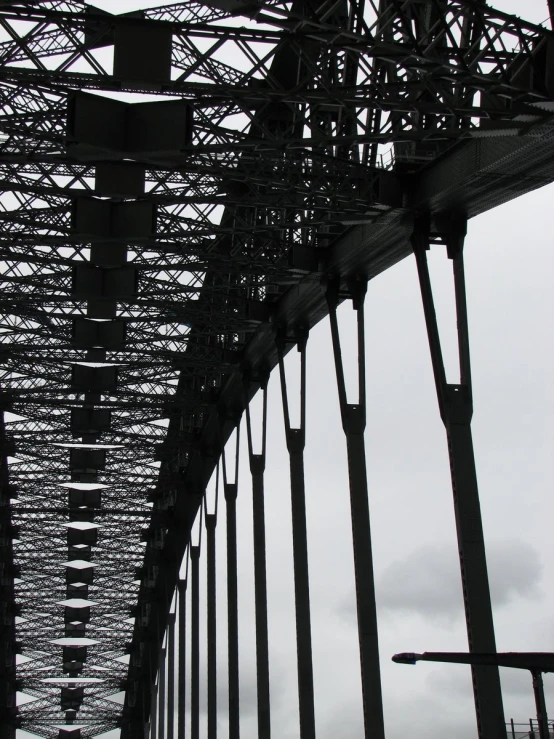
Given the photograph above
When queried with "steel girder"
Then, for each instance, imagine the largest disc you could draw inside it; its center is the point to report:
(143, 276)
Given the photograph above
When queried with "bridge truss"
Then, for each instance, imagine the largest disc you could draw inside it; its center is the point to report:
(185, 192)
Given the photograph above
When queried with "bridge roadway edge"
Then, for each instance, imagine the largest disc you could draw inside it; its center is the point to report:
(461, 180)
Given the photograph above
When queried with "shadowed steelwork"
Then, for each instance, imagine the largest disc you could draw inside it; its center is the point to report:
(185, 192)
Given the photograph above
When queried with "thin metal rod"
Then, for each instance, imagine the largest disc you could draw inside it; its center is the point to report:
(431, 325)
(182, 682)
(230, 490)
(540, 703)
(171, 677)
(232, 613)
(354, 422)
(295, 445)
(456, 409)
(211, 630)
(161, 696)
(154, 714)
(195, 644)
(257, 469)
(461, 319)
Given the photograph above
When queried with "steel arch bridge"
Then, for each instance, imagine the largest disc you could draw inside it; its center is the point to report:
(185, 192)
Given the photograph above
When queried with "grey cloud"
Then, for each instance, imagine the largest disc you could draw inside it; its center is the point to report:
(455, 680)
(247, 687)
(515, 570)
(427, 583)
(414, 717)
(450, 681)
(516, 683)
(346, 723)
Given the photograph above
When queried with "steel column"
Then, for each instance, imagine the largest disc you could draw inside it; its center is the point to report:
(211, 630)
(353, 417)
(161, 696)
(257, 469)
(182, 679)
(8, 709)
(171, 676)
(230, 491)
(456, 409)
(154, 714)
(296, 439)
(540, 703)
(195, 644)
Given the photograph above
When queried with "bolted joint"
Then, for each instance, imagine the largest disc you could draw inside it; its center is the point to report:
(354, 419)
(230, 491)
(457, 405)
(332, 290)
(301, 334)
(299, 337)
(421, 235)
(452, 229)
(296, 441)
(357, 285)
(258, 376)
(257, 463)
(225, 413)
(281, 339)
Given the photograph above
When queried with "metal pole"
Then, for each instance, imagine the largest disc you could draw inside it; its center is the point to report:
(295, 444)
(232, 611)
(154, 719)
(161, 696)
(8, 709)
(456, 408)
(230, 491)
(182, 682)
(260, 589)
(257, 468)
(171, 677)
(354, 421)
(211, 630)
(195, 645)
(540, 703)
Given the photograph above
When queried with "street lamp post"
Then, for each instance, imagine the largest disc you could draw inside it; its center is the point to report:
(535, 662)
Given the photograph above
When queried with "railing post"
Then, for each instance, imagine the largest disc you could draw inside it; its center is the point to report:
(540, 703)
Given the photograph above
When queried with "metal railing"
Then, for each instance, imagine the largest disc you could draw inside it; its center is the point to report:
(529, 729)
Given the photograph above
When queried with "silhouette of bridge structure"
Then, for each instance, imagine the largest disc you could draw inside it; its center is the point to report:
(186, 191)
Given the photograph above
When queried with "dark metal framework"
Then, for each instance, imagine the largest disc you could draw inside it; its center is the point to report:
(160, 255)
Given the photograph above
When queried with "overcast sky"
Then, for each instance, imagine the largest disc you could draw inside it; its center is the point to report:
(510, 269)
(510, 272)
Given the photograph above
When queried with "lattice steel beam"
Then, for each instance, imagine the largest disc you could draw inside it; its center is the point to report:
(136, 294)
